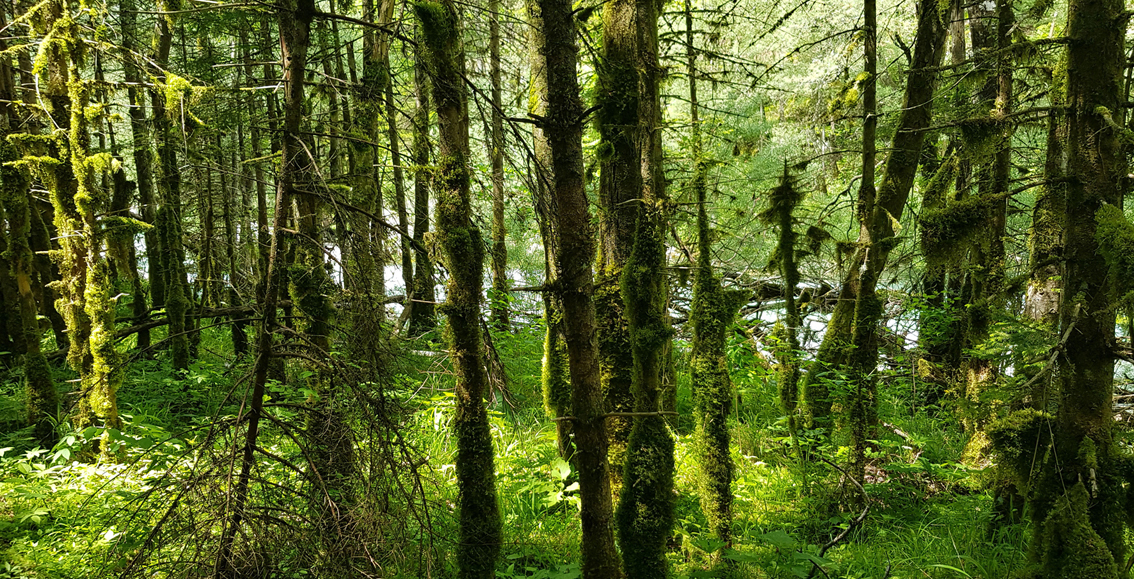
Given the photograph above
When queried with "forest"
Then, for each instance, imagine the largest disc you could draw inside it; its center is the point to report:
(555, 289)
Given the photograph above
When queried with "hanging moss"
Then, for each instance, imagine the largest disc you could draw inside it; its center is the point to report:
(1115, 235)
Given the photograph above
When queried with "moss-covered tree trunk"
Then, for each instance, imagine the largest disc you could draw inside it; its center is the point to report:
(620, 182)
(555, 374)
(84, 289)
(877, 238)
(780, 213)
(1045, 238)
(713, 311)
(39, 387)
(100, 382)
(62, 187)
(574, 284)
(1078, 504)
(171, 258)
(462, 246)
(645, 511)
(422, 317)
(500, 284)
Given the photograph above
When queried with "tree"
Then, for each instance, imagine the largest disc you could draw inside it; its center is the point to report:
(460, 241)
(554, 370)
(712, 312)
(620, 182)
(1076, 501)
(496, 154)
(645, 511)
(574, 284)
(422, 311)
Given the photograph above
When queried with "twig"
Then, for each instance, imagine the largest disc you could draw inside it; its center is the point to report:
(1055, 350)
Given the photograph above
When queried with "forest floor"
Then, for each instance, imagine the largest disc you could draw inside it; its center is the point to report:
(63, 516)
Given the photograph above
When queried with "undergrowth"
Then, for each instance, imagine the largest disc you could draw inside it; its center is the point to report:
(63, 514)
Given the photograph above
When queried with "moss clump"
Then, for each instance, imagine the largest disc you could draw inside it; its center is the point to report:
(944, 228)
(1115, 236)
(1070, 546)
(555, 374)
(1019, 441)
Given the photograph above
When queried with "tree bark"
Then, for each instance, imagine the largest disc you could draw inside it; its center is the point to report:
(171, 261)
(555, 371)
(645, 511)
(461, 244)
(1077, 498)
(499, 296)
(422, 317)
(620, 182)
(575, 284)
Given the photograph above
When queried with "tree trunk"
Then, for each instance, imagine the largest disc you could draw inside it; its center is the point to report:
(852, 336)
(620, 182)
(168, 219)
(1077, 499)
(575, 284)
(645, 511)
(42, 398)
(712, 312)
(499, 295)
(399, 181)
(555, 371)
(237, 324)
(422, 317)
(461, 244)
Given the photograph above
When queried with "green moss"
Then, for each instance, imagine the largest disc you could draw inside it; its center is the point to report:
(438, 25)
(645, 509)
(1020, 441)
(943, 229)
(713, 312)
(1071, 548)
(42, 398)
(1115, 236)
(555, 378)
(616, 367)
